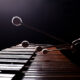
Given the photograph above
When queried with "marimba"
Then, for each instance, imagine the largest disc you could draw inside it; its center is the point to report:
(18, 63)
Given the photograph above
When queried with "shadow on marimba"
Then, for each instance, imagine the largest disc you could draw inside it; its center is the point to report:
(73, 57)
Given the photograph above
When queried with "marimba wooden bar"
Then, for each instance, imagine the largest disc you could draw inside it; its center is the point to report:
(18, 63)
(52, 66)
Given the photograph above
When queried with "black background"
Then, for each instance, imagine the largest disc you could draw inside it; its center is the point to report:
(57, 17)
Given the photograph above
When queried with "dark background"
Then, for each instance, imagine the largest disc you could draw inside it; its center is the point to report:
(57, 17)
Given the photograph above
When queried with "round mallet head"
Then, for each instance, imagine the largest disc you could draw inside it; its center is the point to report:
(38, 48)
(45, 51)
(75, 45)
(17, 21)
(25, 43)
